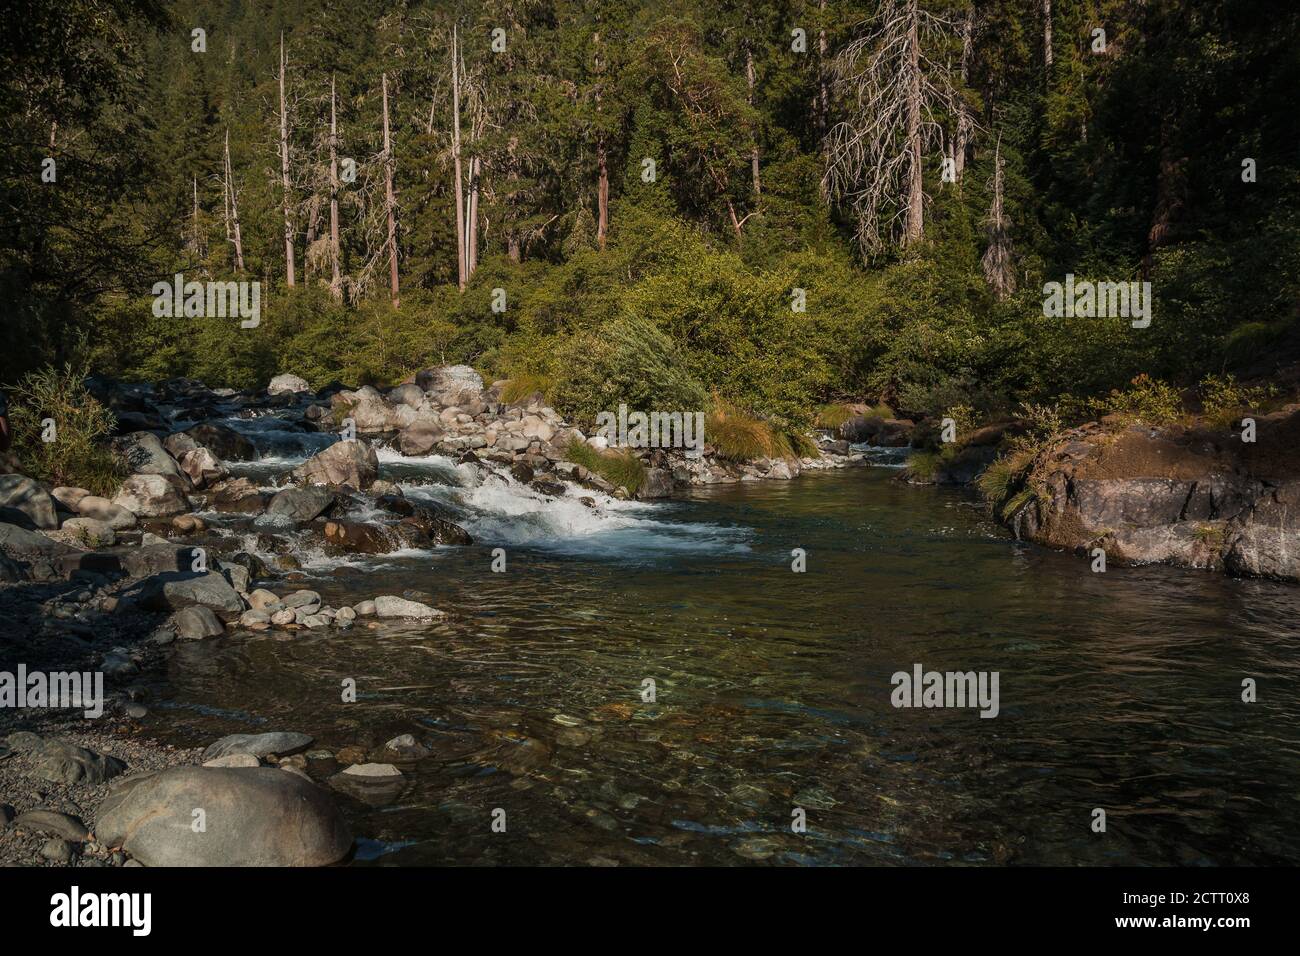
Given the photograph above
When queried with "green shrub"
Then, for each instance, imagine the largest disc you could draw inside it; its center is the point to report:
(77, 455)
(627, 360)
(622, 468)
(1147, 400)
(1224, 400)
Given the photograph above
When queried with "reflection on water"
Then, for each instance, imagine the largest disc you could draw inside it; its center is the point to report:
(1118, 690)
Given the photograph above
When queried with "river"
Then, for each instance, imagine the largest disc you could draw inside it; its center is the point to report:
(1119, 691)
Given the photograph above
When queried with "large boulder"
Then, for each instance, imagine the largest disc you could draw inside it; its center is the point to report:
(151, 496)
(91, 532)
(254, 816)
(24, 502)
(420, 438)
(657, 483)
(223, 441)
(287, 384)
(359, 537)
(238, 496)
(145, 455)
(450, 384)
(433, 525)
(174, 590)
(196, 623)
(301, 504)
(369, 413)
(1265, 540)
(350, 462)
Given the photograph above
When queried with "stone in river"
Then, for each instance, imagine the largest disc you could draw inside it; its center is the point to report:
(254, 816)
(259, 745)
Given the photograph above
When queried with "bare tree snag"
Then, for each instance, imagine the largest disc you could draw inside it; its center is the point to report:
(284, 174)
(336, 279)
(390, 201)
(461, 273)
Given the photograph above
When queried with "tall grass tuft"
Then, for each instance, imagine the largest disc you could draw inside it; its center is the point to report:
(622, 468)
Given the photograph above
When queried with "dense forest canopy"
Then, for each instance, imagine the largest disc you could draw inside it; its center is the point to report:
(778, 204)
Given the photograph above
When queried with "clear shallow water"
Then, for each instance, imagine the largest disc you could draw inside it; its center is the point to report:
(1118, 690)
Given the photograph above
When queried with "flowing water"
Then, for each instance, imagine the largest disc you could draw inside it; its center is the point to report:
(1119, 691)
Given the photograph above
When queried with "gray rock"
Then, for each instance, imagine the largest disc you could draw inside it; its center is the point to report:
(255, 816)
(254, 616)
(52, 823)
(197, 623)
(658, 483)
(145, 455)
(24, 502)
(388, 605)
(262, 599)
(174, 590)
(287, 384)
(301, 598)
(57, 851)
(67, 497)
(234, 760)
(91, 532)
(223, 441)
(406, 746)
(259, 745)
(365, 609)
(101, 509)
(61, 762)
(202, 467)
(283, 617)
(301, 504)
(350, 462)
(151, 496)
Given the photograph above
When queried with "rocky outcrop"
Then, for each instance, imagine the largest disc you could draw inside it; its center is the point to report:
(1193, 497)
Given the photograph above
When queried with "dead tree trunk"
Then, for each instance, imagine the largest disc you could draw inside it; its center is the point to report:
(602, 162)
(336, 279)
(823, 95)
(1047, 36)
(915, 224)
(471, 256)
(232, 203)
(753, 152)
(461, 273)
(999, 272)
(284, 174)
(963, 137)
(390, 201)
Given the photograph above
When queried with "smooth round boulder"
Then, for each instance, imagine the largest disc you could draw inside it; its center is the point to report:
(253, 816)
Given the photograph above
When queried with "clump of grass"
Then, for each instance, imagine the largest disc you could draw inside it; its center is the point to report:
(801, 445)
(739, 436)
(621, 468)
(833, 415)
(78, 455)
(924, 465)
(523, 385)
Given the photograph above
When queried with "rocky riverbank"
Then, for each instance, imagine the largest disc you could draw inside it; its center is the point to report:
(201, 540)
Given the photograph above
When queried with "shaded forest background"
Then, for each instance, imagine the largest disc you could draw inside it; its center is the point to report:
(1119, 164)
